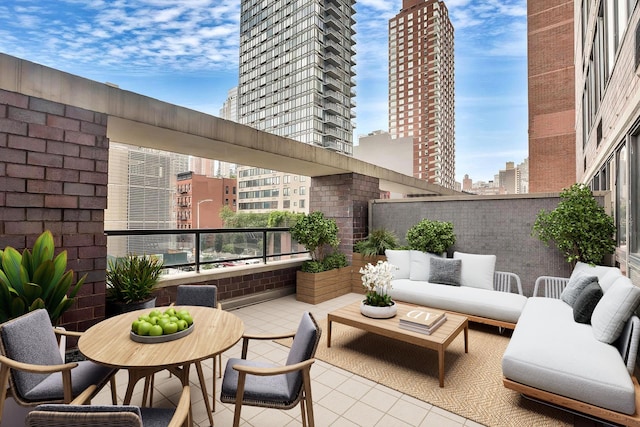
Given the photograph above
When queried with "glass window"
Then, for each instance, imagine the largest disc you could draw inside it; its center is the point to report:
(622, 188)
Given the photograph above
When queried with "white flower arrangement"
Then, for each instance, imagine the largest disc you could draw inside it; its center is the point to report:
(376, 280)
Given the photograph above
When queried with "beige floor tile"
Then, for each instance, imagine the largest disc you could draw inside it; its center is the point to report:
(407, 412)
(338, 402)
(434, 419)
(363, 414)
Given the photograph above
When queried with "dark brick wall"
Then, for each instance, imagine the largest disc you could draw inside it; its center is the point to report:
(345, 198)
(239, 286)
(485, 226)
(53, 176)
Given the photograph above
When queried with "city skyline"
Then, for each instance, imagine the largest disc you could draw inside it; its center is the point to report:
(187, 53)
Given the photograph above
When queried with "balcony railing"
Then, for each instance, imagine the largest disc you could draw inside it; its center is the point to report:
(196, 249)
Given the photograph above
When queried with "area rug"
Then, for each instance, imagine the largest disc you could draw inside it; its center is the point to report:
(473, 382)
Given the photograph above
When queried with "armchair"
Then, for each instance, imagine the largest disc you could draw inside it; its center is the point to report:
(77, 414)
(32, 368)
(255, 383)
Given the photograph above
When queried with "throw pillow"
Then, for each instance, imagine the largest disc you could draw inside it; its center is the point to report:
(586, 302)
(402, 260)
(614, 309)
(420, 265)
(575, 286)
(477, 270)
(445, 271)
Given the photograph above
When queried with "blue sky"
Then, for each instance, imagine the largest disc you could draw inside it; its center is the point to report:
(186, 52)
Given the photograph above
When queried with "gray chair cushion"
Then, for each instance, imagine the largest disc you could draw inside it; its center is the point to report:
(272, 390)
(303, 348)
(156, 417)
(82, 376)
(30, 339)
(201, 295)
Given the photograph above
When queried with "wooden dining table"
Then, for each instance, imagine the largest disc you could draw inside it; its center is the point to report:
(109, 343)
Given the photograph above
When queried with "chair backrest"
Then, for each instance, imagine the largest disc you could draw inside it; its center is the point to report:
(54, 415)
(29, 339)
(304, 346)
(201, 295)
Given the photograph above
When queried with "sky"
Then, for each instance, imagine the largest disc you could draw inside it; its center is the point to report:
(185, 52)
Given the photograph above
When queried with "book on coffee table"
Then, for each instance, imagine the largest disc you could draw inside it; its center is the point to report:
(423, 321)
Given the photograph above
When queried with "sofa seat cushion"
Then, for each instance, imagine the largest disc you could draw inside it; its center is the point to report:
(551, 352)
(496, 305)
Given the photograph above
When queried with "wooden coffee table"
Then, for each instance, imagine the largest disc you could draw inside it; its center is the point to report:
(439, 340)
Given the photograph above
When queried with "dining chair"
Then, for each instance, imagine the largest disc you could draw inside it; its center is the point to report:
(32, 369)
(204, 296)
(256, 383)
(77, 414)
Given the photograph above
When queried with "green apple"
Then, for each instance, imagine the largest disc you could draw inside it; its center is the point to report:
(145, 318)
(170, 311)
(182, 324)
(155, 313)
(173, 318)
(162, 321)
(183, 312)
(134, 326)
(187, 318)
(144, 328)
(170, 328)
(156, 330)
(154, 320)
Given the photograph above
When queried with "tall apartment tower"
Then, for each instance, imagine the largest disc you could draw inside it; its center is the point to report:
(551, 81)
(421, 87)
(295, 80)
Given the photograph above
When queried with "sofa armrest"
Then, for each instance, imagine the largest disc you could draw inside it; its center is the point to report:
(553, 286)
(627, 343)
(502, 281)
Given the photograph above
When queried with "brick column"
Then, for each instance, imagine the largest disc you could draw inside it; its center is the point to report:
(53, 176)
(345, 198)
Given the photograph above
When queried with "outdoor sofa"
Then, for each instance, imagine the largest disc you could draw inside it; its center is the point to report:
(576, 343)
(466, 284)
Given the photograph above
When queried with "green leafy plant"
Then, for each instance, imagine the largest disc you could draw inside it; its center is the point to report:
(35, 279)
(431, 236)
(376, 243)
(132, 278)
(579, 227)
(335, 260)
(315, 233)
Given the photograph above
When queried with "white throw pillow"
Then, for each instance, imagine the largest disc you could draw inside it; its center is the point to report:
(614, 309)
(477, 270)
(402, 260)
(420, 262)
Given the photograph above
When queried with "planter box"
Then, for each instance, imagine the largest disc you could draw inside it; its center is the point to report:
(359, 261)
(314, 288)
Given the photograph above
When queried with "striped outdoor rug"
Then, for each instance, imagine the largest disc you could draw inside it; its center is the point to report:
(473, 382)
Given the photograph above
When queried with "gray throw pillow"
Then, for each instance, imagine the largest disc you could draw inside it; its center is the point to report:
(586, 302)
(445, 271)
(575, 286)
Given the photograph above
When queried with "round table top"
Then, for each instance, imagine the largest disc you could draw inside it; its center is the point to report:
(109, 341)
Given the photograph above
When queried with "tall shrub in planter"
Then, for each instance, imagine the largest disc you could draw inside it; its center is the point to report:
(35, 279)
(431, 236)
(317, 234)
(578, 226)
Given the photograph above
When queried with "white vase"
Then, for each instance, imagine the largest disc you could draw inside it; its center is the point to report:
(378, 312)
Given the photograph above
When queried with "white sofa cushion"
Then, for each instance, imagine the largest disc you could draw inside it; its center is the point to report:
(614, 309)
(462, 299)
(549, 351)
(477, 270)
(420, 265)
(400, 259)
(606, 275)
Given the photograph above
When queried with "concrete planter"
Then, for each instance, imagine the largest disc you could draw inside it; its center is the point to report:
(314, 288)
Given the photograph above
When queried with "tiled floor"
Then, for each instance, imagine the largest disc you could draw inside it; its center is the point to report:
(340, 397)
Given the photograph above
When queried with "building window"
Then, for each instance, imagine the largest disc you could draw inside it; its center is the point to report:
(302, 203)
(226, 189)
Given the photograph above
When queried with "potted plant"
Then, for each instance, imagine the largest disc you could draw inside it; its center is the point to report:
(431, 236)
(376, 243)
(579, 227)
(130, 283)
(35, 279)
(376, 280)
(326, 275)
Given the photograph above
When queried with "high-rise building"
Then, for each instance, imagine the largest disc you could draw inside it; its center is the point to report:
(229, 111)
(421, 87)
(551, 81)
(295, 80)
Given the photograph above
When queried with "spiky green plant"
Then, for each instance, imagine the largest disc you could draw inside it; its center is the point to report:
(377, 243)
(132, 278)
(35, 279)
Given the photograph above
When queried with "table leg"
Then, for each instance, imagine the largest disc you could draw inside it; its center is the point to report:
(328, 332)
(203, 386)
(466, 338)
(441, 365)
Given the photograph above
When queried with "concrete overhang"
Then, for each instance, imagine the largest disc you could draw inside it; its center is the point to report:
(143, 121)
